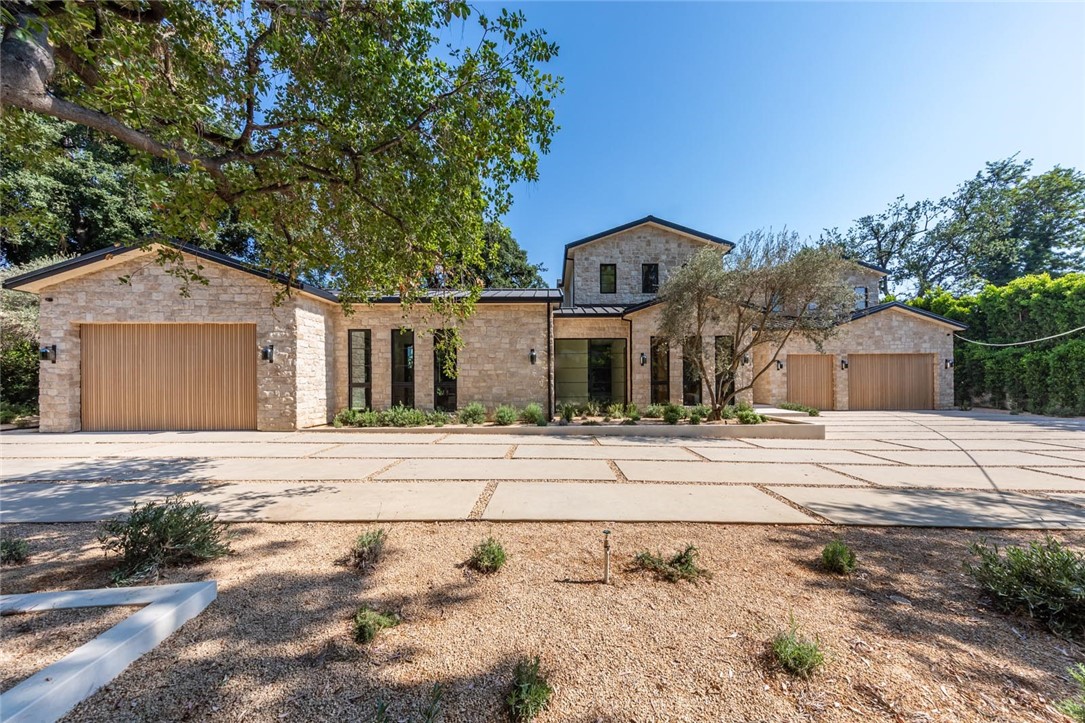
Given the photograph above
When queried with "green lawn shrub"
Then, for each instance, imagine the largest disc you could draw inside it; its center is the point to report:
(682, 565)
(505, 415)
(368, 622)
(487, 557)
(530, 693)
(473, 413)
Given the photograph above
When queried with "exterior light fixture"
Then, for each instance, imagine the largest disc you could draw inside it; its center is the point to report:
(533, 356)
(948, 363)
(268, 353)
(643, 358)
(48, 353)
(779, 365)
(843, 363)
(745, 358)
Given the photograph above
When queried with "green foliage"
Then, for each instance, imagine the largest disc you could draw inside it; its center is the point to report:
(591, 409)
(701, 410)
(368, 622)
(17, 413)
(798, 655)
(1074, 708)
(530, 693)
(156, 535)
(505, 415)
(682, 565)
(728, 412)
(403, 416)
(367, 549)
(19, 364)
(437, 418)
(533, 414)
(505, 264)
(749, 417)
(837, 557)
(14, 551)
(616, 410)
(1044, 580)
(673, 413)
(654, 411)
(488, 556)
(794, 407)
(473, 413)
(567, 412)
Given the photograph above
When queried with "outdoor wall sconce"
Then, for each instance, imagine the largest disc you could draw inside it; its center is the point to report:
(843, 363)
(643, 358)
(48, 353)
(948, 363)
(533, 356)
(268, 353)
(745, 358)
(779, 365)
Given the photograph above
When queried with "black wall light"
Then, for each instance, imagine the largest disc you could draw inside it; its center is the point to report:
(948, 363)
(48, 353)
(779, 365)
(533, 356)
(843, 363)
(643, 358)
(268, 353)
(745, 358)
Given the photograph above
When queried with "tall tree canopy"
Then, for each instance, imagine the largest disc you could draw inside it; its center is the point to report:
(1000, 225)
(346, 136)
(506, 264)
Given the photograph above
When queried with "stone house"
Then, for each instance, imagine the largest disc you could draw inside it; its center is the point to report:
(231, 354)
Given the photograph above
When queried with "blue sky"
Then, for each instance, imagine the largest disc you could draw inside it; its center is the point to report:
(729, 117)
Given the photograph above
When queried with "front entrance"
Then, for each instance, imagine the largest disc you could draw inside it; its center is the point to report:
(590, 370)
(810, 380)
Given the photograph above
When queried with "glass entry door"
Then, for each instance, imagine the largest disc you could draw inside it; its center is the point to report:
(403, 367)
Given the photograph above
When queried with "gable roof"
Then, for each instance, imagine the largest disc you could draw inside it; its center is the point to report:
(873, 267)
(878, 308)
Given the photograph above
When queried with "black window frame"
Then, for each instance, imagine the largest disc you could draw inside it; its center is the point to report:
(649, 278)
(444, 387)
(367, 385)
(613, 268)
(865, 300)
(403, 392)
(659, 371)
(691, 384)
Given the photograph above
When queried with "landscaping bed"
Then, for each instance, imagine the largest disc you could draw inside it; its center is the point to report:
(907, 637)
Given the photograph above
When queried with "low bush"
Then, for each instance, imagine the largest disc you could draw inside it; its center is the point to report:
(591, 409)
(15, 413)
(1074, 708)
(743, 407)
(156, 535)
(367, 549)
(14, 551)
(533, 414)
(673, 413)
(701, 410)
(616, 411)
(812, 411)
(654, 411)
(488, 556)
(530, 693)
(748, 417)
(632, 409)
(346, 418)
(680, 566)
(567, 412)
(1044, 580)
(694, 418)
(473, 413)
(369, 622)
(728, 412)
(505, 415)
(838, 557)
(438, 418)
(402, 416)
(798, 655)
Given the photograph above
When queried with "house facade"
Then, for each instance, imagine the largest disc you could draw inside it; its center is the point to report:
(230, 355)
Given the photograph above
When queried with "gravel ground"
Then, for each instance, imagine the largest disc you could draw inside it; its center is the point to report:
(908, 638)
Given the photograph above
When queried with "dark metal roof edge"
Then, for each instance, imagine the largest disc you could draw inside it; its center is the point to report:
(649, 219)
(871, 310)
(640, 307)
(574, 311)
(61, 266)
(872, 267)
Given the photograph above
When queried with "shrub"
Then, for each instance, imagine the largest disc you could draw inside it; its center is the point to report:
(591, 409)
(728, 412)
(616, 411)
(438, 418)
(798, 656)
(812, 411)
(488, 556)
(1044, 581)
(16, 412)
(743, 407)
(533, 414)
(632, 409)
(14, 551)
(346, 418)
(701, 410)
(694, 418)
(402, 416)
(530, 690)
(838, 557)
(473, 413)
(1074, 708)
(567, 411)
(681, 566)
(654, 411)
(505, 415)
(748, 417)
(672, 413)
(156, 535)
(367, 549)
(369, 622)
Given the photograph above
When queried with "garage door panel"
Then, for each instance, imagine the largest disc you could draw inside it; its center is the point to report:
(168, 376)
(810, 380)
(890, 381)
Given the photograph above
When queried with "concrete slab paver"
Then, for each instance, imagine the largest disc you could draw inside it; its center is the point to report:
(493, 451)
(964, 459)
(82, 502)
(812, 456)
(638, 503)
(499, 469)
(1075, 472)
(555, 451)
(57, 450)
(507, 439)
(357, 436)
(732, 472)
(118, 468)
(996, 478)
(225, 449)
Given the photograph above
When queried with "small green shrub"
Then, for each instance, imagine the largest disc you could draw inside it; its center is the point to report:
(681, 566)
(694, 418)
(1043, 580)
(346, 418)
(798, 655)
(673, 413)
(1074, 708)
(591, 409)
(743, 407)
(701, 410)
(747, 417)
(794, 407)
(367, 549)
(533, 414)
(568, 412)
(488, 556)
(728, 412)
(616, 411)
(473, 413)
(15, 413)
(530, 693)
(368, 418)
(654, 411)
(14, 551)
(838, 557)
(369, 622)
(156, 535)
(402, 416)
(505, 415)
(437, 418)
(632, 409)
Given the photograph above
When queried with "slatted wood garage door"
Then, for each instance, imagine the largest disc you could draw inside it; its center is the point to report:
(890, 381)
(810, 380)
(168, 376)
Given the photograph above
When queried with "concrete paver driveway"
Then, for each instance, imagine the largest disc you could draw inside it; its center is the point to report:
(960, 469)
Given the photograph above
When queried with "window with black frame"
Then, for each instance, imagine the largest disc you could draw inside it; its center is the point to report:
(360, 369)
(862, 297)
(691, 380)
(660, 371)
(649, 278)
(608, 278)
(444, 372)
(403, 367)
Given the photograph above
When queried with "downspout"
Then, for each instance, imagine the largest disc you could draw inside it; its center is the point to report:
(629, 363)
(549, 361)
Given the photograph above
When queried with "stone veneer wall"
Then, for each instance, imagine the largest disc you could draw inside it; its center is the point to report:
(153, 296)
(888, 332)
(628, 250)
(315, 324)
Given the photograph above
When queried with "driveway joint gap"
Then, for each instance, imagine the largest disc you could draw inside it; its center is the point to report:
(373, 477)
(511, 451)
(617, 472)
(483, 501)
(696, 454)
(795, 505)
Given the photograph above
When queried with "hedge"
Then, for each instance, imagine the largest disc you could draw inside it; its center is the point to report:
(1050, 381)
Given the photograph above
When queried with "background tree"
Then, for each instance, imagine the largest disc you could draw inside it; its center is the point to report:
(19, 363)
(343, 134)
(504, 264)
(770, 288)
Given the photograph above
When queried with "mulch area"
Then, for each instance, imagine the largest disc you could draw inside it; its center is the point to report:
(907, 638)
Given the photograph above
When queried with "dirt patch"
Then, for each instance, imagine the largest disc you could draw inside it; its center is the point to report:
(908, 638)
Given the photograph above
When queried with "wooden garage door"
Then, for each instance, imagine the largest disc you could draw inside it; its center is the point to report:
(890, 381)
(810, 380)
(169, 376)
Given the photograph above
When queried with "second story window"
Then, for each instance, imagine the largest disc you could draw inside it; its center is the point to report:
(608, 278)
(649, 278)
(862, 297)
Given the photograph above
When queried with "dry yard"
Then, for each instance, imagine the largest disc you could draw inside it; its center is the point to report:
(907, 638)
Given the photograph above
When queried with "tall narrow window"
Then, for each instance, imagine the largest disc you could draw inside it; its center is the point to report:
(649, 278)
(862, 297)
(444, 372)
(359, 393)
(608, 278)
(403, 367)
(661, 372)
(691, 378)
(725, 378)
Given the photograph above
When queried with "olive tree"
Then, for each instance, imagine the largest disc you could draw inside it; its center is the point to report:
(770, 288)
